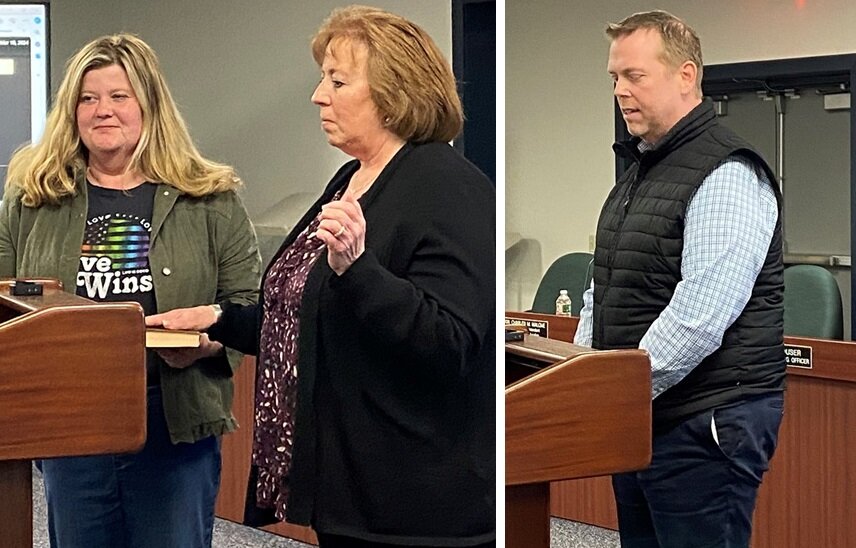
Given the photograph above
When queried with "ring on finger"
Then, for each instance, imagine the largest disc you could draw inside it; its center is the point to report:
(341, 231)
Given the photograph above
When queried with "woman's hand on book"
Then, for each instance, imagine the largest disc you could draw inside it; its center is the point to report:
(197, 318)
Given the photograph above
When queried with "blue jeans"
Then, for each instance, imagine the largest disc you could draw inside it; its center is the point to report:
(700, 489)
(161, 497)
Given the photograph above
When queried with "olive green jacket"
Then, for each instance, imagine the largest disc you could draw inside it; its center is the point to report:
(203, 250)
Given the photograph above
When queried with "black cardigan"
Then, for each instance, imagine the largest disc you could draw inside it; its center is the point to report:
(395, 427)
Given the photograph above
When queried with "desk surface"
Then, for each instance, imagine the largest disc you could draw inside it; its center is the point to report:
(833, 360)
(52, 295)
(549, 350)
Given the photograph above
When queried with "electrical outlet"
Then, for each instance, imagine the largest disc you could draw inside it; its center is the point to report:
(591, 243)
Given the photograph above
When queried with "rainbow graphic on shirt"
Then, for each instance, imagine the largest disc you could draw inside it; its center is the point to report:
(114, 256)
(124, 240)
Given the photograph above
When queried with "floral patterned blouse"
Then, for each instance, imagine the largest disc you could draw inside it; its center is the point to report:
(276, 376)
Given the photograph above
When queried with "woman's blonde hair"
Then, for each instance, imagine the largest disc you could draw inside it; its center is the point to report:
(45, 172)
(411, 82)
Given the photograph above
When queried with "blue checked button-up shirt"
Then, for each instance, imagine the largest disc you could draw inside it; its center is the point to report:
(729, 226)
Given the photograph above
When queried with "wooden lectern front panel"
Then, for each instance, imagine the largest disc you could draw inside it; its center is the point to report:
(72, 382)
(584, 416)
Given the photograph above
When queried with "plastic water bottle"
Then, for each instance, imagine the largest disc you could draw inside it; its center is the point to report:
(563, 304)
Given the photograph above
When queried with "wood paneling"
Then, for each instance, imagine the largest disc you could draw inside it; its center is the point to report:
(16, 509)
(808, 498)
(237, 451)
(528, 523)
(236, 447)
(587, 500)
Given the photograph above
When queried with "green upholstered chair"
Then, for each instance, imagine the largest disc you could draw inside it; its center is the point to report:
(812, 303)
(573, 272)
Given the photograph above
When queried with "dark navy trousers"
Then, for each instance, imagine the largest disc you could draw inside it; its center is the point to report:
(701, 486)
(161, 497)
(336, 541)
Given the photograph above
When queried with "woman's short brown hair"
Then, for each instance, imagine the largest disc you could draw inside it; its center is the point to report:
(411, 82)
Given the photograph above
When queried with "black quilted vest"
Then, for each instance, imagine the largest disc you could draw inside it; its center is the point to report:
(637, 264)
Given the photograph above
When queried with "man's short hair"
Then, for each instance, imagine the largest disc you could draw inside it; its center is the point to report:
(680, 41)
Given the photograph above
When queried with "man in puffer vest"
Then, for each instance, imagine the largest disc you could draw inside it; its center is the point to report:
(688, 266)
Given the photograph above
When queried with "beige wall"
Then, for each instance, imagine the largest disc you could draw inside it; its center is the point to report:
(242, 74)
(559, 117)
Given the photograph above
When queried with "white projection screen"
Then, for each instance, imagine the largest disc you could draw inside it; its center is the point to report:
(24, 75)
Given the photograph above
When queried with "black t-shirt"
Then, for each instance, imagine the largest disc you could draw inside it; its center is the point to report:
(114, 258)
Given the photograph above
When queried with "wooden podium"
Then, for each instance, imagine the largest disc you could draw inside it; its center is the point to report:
(577, 413)
(72, 382)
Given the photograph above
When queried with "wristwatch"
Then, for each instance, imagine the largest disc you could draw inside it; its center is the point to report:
(218, 312)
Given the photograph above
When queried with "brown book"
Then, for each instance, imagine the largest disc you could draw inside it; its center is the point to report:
(171, 338)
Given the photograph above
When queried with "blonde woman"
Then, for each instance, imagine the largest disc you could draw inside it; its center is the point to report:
(117, 203)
